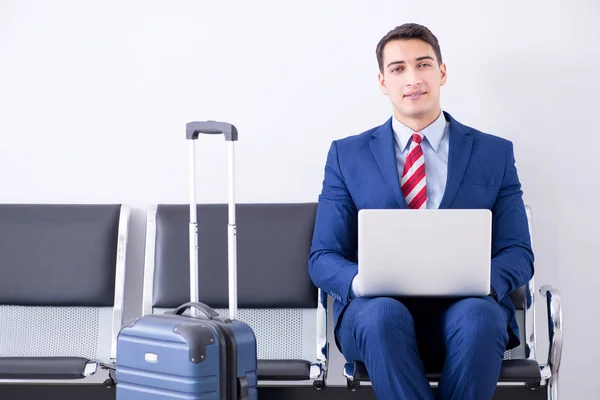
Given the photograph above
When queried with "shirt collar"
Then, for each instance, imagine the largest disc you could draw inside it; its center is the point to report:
(433, 133)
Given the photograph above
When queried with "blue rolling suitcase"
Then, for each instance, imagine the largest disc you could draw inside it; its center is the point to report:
(192, 352)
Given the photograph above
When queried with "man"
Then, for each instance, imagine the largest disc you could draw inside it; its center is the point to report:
(421, 158)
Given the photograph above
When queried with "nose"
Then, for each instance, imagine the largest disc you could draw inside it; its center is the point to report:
(413, 77)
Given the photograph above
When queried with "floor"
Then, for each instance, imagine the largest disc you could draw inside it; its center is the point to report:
(99, 392)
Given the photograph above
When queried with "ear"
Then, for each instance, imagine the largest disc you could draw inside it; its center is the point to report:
(443, 73)
(382, 86)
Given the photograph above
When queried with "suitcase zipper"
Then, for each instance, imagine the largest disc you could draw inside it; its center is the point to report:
(231, 360)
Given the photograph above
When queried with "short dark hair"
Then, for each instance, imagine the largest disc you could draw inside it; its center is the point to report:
(405, 32)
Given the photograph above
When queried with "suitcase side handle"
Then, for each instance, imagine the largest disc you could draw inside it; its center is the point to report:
(208, 312)
(193, 129)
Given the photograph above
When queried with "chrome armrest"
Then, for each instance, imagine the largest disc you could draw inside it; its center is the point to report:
(555, 335)
(90, 368)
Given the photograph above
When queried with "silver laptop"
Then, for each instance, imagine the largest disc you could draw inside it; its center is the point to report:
(432, 253)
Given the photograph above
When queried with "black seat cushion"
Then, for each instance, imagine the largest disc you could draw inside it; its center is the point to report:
(520, 371)
(283, 370)
(34, 368)
(526, 371)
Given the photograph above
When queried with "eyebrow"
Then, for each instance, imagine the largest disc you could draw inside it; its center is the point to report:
(416, 59)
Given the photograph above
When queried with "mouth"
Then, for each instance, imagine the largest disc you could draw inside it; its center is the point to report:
(414, 95)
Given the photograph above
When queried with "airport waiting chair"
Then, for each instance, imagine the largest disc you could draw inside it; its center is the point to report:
(276, 296)
(520, 367)
(62, 270)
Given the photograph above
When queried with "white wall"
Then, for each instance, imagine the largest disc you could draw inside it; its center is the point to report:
(94, 97)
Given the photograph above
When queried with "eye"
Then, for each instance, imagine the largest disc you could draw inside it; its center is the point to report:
(425, 64)
(396, 69)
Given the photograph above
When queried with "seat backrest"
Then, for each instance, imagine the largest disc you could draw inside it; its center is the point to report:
(63, 273)
(275, 293)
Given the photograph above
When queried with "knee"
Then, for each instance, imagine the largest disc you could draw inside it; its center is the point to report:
(383, 316)
(476, 319)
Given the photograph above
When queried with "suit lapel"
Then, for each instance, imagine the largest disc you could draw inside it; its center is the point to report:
(459, 152)
(382, 146)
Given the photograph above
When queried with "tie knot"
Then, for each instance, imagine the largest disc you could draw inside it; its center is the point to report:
(417, 137)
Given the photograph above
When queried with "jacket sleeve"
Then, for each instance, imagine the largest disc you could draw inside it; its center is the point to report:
(332, 260)
(512, 256)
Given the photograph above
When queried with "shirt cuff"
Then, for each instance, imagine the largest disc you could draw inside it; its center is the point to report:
(354, 291)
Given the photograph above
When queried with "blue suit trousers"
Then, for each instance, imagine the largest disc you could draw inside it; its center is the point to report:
(400, 339)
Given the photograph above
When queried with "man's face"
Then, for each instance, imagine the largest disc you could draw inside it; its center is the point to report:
(412, 79)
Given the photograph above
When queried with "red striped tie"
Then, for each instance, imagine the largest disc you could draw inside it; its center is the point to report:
(413, 178)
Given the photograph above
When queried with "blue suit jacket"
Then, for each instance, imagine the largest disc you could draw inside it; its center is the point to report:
(361, 173)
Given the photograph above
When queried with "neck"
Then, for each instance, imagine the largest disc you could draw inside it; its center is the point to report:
(417, 124)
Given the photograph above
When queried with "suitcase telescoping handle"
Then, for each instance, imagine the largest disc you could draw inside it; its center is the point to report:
(193, 130)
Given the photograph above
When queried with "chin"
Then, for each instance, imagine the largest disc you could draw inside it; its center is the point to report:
(416, 112)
